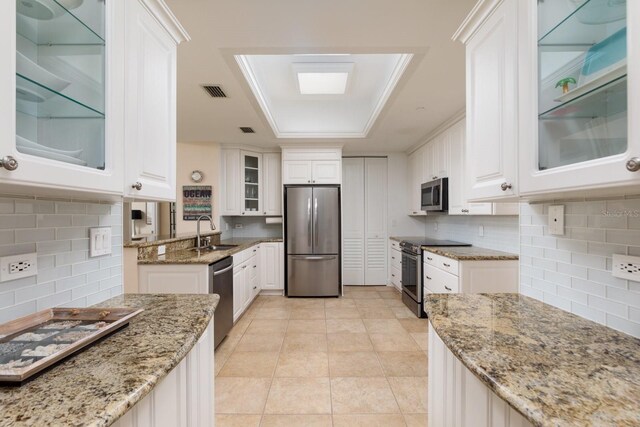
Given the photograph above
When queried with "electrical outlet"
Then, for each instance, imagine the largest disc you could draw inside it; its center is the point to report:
(162, 249)
(481, 230)
(626, 267)
(556, 220)
(99, 241)
(18, 266)
(237, 226)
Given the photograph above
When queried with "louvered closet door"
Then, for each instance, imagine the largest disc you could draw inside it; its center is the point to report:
(353, 221)
(375, 197)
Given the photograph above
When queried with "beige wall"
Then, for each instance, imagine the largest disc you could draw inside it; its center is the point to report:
(203, 156)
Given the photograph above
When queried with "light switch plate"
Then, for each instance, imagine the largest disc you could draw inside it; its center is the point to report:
(556, 220)
(626, 267)
(18, 266)
(99, 241)
(481, 230)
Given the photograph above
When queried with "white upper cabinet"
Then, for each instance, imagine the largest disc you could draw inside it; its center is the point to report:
(150, 104)
(491, 38)
(311, 166)
(230, 182)
(251, 174)
(580, 89)
(416, 171)
(272, 179)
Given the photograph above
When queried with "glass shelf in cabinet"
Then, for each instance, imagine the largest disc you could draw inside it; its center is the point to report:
(37, 100)
(576, 30)
(64, 28)
(606, 100)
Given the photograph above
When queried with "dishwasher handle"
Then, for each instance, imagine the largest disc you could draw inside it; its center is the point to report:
(224, 270)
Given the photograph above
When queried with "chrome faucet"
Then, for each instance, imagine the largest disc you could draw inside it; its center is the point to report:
(213, 227)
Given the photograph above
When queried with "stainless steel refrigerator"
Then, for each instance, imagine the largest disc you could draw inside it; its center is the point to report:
(312, 233)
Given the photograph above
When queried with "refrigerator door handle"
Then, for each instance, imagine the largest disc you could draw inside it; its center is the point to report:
(315, 218)
(309, 226)
(314, 258)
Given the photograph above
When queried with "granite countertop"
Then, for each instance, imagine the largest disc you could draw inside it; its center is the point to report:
(100, 384)
(152, 240)
(555, 368)
(471, 253)
(401, 238)
(189, 256)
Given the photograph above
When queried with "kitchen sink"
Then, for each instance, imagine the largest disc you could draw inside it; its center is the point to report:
(212, 248)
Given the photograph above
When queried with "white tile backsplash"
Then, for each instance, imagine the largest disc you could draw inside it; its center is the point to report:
(573, 272)
(58, 230)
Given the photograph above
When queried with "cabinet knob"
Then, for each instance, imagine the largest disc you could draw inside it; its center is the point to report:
(255, 287)
(447, 288)
(265, 213)
(9, 163)
(446, 265)
(137, 186)
(505, 186)
(309, 182)
(434, 177)
(242, 213)
(430, 259)
(427, 277)
(633, 164)
(244, 266)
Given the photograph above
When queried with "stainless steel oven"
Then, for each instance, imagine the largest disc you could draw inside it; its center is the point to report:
(434, 195)
(412, 280)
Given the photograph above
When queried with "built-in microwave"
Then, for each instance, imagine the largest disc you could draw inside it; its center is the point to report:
(434, 195)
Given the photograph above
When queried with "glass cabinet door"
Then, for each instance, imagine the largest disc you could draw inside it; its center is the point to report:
(60, 80)
(582, 81)
(251, 165)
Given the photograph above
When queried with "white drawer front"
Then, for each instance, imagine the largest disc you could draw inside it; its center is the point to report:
(395, 245)
(396, 276)
(447, 264)
(439, 281)
(395, 258)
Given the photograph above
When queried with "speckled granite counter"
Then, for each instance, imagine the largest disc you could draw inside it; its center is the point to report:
(162, 240)
(189, 256)
(555, 368)
(471, 253)
(100, 384)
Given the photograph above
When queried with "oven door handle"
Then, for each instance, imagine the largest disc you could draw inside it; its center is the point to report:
(412, 256)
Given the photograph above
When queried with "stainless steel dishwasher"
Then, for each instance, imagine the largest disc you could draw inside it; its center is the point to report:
(221, 283)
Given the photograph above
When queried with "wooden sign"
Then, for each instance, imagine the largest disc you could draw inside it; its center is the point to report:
(196, 201)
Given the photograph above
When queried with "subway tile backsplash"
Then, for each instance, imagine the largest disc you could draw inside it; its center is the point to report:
(58, 230)
(573, 272)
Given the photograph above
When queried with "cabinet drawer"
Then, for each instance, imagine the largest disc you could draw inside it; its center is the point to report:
(395, 245)
(396, 276)
(395, 258)
(440, 282)
(447, 264)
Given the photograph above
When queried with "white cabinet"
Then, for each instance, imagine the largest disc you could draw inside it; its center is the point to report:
(246, 284)
(272, 184)
(365, 221)
(417, 175)
(311, 166)
(272, 266)
(492, 110)
(251, 187)
(230, 195)
(395, 264)
(150, 106)
(458, 398)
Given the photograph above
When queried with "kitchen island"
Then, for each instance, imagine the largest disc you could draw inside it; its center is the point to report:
(507, 359)
(103, 383)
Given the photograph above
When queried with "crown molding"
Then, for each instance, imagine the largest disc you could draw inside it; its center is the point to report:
(166, 18)
(478, 15)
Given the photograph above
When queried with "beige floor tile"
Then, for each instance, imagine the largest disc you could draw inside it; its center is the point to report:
(376, 313)
(383, 326)
(303, 365)
(402, 312)
(342, 313)
(267, 326)
(362, 396)
(394, 303)
(305, 342)
(390, 294)
(296, 421)
(349, 342)
(299, 396)
(307, 302)
(339, 303)
(355, 326)
(362, 295)
(368, 420)
(421, 339)
(411, 394)
(415, 324)
(275, 301)
(229, 420)
(260, 342)
(416, 420)
(393, 342)
(354, 364)
(404, 363)
(250, 364)
(370, 303)
(314, 326)
(273, 313)
(240, 327)
(307, 313)
(232, 395)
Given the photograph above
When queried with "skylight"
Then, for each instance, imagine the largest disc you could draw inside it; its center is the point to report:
(322, 83)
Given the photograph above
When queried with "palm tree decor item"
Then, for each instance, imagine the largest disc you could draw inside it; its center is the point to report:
(565, 84)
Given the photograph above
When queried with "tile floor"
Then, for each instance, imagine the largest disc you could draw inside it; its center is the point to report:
(360, 360)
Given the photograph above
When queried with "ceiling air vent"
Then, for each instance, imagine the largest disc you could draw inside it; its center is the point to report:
(215, 91)
(247, 130)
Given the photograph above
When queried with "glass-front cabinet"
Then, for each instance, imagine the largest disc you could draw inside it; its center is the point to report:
(584, 73)
(252, 183)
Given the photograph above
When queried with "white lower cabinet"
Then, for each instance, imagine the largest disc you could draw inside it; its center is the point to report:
(272, 266)
(185, 397)
(245, 280)
(458, 398)
(395, 264)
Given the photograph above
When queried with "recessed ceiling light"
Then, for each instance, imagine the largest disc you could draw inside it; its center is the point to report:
(323, 83)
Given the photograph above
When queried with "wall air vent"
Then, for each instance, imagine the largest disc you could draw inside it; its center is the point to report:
(247, 130)
(215, 91)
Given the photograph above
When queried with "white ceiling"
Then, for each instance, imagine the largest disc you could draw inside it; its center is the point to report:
(430, 90)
